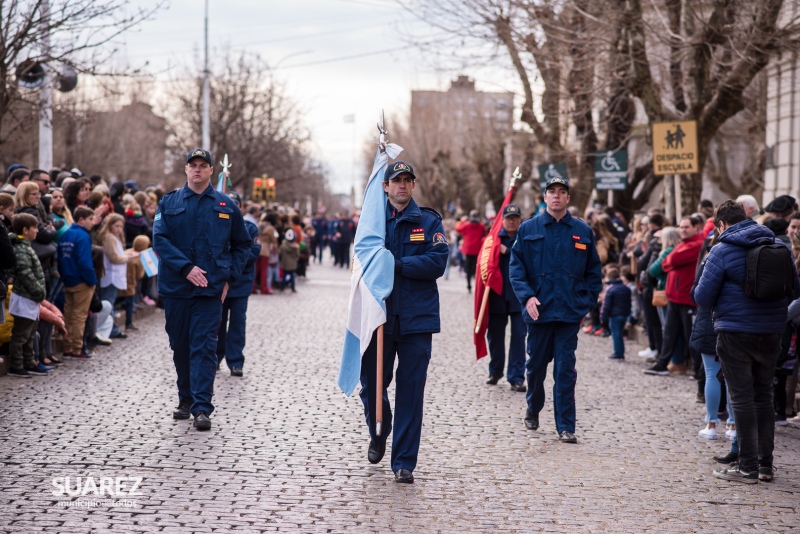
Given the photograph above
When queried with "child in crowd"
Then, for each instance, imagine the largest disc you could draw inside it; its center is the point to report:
(28, 291)
(289, 254)
(134, 274)
(616, 310)
(629, 279)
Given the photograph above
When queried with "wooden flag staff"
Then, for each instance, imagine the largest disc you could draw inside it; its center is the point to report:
(379, 348)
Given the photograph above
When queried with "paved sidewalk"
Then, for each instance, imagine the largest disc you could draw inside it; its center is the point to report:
(288, 449)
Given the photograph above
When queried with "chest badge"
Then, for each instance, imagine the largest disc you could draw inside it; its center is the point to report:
(415, 238)
(576, 237)
(580, 246)
(224, 216)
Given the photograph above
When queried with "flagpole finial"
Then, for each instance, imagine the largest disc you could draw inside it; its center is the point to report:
(383, 133)
(516, 177)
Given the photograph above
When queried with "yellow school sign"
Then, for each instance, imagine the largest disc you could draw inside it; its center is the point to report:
(675, 147)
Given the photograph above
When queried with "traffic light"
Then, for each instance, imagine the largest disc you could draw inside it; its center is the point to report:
(263, 188)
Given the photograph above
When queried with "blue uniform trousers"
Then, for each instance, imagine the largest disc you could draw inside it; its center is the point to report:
(554, 342)
(192, 325)
(413, 355)
(496, 335)
(231, 335)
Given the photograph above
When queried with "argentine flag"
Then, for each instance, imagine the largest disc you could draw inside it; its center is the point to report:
(373, 275)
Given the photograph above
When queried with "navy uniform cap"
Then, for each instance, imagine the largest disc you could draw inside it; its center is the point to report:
(235, 197)
(200, 153)
(511, 210)
(397, 168)
(557, 180)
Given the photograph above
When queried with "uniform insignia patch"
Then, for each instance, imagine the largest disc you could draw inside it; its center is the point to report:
(580, 246)
(224, 216)
(257, 240)
(157, 217)
(576, 237)
(439, 239)
(417, 230)
(222, 204)
(417, 237)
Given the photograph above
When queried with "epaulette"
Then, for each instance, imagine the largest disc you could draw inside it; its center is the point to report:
(431, 210)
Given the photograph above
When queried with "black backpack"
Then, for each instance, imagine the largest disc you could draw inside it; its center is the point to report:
(769, 273)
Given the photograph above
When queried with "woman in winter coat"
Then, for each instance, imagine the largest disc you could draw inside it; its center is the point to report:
(269, 248)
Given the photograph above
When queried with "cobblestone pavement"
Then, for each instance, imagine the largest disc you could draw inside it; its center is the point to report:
(288, 449)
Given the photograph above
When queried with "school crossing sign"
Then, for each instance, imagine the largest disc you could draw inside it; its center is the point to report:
(675, 147)
(611, 170)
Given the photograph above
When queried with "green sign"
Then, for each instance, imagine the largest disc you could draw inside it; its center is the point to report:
(551, 170)
(611, 170)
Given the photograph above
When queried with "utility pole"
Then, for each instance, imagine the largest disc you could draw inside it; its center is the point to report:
(46, 97)
(206, 95)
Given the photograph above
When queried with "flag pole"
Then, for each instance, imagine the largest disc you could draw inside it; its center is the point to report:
(482, 312)
(379, 351)
(379, 384)
(515, 178)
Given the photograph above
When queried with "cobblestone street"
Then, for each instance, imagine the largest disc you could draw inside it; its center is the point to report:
(287, 451)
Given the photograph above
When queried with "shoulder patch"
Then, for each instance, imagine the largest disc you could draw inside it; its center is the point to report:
(431, 210)
(157, 217)
(439, 239)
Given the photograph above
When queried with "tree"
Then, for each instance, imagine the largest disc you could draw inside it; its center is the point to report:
(679, 60)
(55, 33)
(255, 122)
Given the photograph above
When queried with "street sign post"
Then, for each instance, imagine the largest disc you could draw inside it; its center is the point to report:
(675, 148)
(611, 170)
(551, 170)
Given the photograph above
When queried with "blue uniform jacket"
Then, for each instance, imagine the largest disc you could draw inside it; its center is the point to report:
(417, 240)
(206, 230)
(617, 300)
(557, 262)
(243, 286)
(721, 287)
(507, 302)
(75, 257)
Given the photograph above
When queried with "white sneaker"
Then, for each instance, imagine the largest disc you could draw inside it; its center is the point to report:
(647, 353)
(730, 434)
(708, 433)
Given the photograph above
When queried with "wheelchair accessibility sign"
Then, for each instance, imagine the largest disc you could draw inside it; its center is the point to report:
(611, 170)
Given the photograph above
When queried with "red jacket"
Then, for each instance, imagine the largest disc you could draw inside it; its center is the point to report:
(473, 234)
(680, 266)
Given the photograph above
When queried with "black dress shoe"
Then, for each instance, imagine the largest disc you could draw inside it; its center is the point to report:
(567, 437)
(531, 420)
(493, 379)
(727, 459)
(519, 386)
(236, 371)
(375, 452)
(201, 421)
(404, 476)
(182, 411)
(119, 335)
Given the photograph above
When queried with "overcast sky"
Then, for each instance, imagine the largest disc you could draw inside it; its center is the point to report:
(337, 57)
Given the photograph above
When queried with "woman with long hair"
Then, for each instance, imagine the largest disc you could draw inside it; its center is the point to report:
(59, 212)
(607, 243)
(77, 193)
(115, 275)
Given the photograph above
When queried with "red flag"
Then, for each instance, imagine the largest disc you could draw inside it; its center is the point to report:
(488, 275)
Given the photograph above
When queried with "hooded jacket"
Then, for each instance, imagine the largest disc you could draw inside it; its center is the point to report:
(721, 285)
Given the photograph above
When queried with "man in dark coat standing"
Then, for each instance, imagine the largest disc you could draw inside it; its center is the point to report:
(748, 338)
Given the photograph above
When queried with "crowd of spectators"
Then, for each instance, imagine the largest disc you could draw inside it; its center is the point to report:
(71, 264)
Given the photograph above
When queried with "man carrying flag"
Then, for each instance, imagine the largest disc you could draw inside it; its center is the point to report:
(495, 301)
(504, 306)
(417, 249)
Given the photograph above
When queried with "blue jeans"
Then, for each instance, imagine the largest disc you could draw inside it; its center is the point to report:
(617, 325)
(712, 390)
(109, 294)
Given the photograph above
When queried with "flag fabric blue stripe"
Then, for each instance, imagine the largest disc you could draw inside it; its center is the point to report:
(372, 278)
